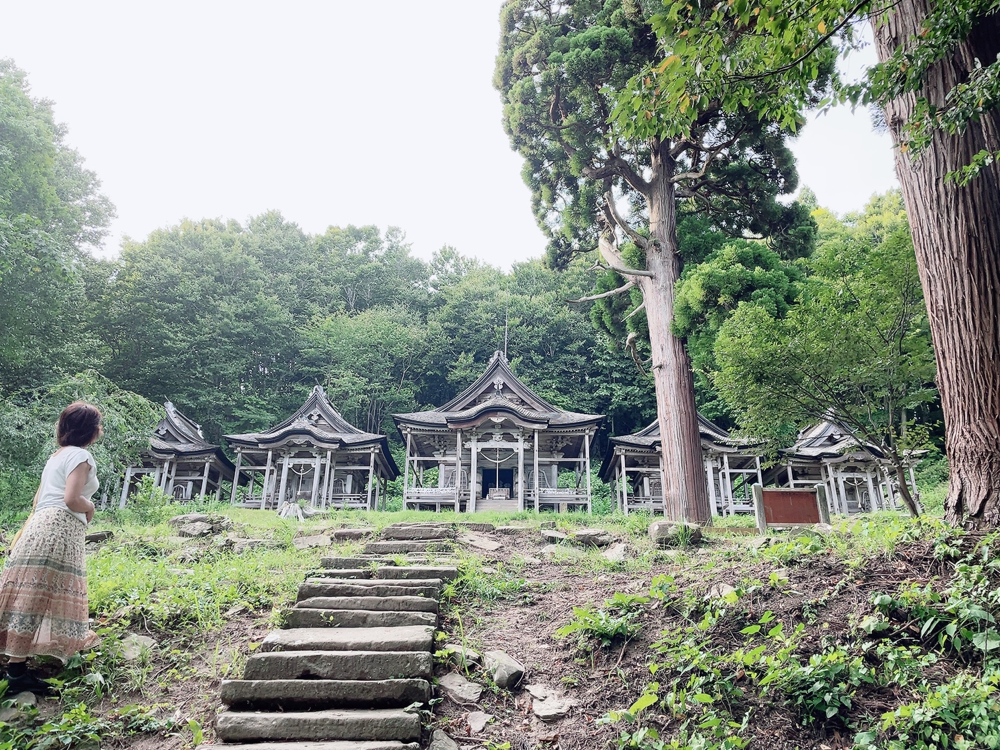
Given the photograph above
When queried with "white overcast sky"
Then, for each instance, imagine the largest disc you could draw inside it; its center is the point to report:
(332, 112)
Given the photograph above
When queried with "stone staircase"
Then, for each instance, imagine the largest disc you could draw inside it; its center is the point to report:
(356, 651)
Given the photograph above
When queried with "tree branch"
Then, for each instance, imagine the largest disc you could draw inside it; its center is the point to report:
(611, 211)
(618, 167)
(642, 306)
(620, 290)
(614, 261)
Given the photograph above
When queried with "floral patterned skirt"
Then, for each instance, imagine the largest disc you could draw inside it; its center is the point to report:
(43, 589)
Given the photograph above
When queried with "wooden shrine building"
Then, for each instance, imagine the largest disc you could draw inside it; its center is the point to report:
(633, 466)
(857, 477)
(315, 456)
(183, 464)
(497, 446)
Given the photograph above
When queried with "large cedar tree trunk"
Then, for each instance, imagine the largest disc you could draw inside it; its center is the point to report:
(685, 492)
(956, 234)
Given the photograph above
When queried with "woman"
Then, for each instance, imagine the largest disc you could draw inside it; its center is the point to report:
(43, 589)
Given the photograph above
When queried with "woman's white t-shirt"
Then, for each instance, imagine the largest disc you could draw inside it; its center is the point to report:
(52, 493)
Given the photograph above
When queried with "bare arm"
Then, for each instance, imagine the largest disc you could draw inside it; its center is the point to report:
(74, 498)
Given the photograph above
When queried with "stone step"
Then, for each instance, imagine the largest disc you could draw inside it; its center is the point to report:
(413, 638)
(332, 724)
(313, 588)
(418, 532)
(309, 617)
(349, 573)
(415, 572)
(318, 694)
(343, 535)
(339, 665)
(372, 603)
(396, 548)
(335, 745)
(354, 563)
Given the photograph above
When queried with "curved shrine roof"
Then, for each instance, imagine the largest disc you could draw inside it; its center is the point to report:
(178, 436)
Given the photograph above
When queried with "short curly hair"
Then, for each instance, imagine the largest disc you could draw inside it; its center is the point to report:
(79, 425)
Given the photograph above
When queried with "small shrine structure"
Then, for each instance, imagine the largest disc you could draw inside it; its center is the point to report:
(633, 465)
(315, 456)
(184, 465)
(497, 446)
(857, 476)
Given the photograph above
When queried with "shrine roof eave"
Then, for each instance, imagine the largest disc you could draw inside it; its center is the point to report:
(456, 420)
(313, 437)
(175, 452)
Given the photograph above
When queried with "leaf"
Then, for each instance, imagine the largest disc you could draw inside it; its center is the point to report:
(644, 701)
(750, 629)
(822, 27)
(702, 698)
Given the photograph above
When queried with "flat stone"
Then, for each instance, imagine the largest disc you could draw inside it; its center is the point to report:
(551, 551)
(460, 689)
(478, 720)
(475, 526)
(243, 545)
(463, 656)
(395, 583)
(311, 589)
(401, 533)
(187, 518)
(21, 701)
(343, 535)
(617, 552)
(397, 548)
(416, 572)
(539, 692)
(669, 533)
(547, 525)
(348, 573)
(413, 638)
(195, 529)
(306, 617)
(335, 745)
(720, 590)
(823, 528)
(552, 708)
(311, 542)
(373, 603)
(313, 694)
(592, 537)
(334, 724)
(478, 541)
(99, 536)
(339, 665)
(133, 646)
(505, 670)
(551, 535)
(514, 529)
(529, 560)
(354, 563)
(441, 741)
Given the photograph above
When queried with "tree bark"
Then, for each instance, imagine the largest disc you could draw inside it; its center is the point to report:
(956, 235)
(685, 493)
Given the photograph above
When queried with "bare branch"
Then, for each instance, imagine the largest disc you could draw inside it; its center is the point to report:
(611, 211)
(618, 167)
(642, 306)
(620, 290)
(708, 160)
(611, 255)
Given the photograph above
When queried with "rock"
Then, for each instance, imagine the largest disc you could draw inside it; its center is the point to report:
(222, 523)
(504, 669)
(617, 553)
(350, 534)
(592, 537)
(823, 528)
(441, 741)
(671, 534)
(539, 692)
(547, 525)
(552, 708)
(223, 542)
(463, 656)
(478, 720)
(780, 575)
(311, 542)
(760, 542)
(242, 545)
(476, 526)
(195, 529)
(551, 551)
(189, 518)
(460, 689)
(529, 560)
(20, 701)
(188, 555)
(479, 541)
(133, 646)
(513, 529)
(236, 610)
(720, 590)
(99, 536)
(551, 535)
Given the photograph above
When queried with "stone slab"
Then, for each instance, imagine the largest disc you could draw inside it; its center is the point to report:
(335, 745)
(342, 535)
(459, 689)
(415, 572)
(418, 532)
(308, 617)
(318, 694)
(478, 541)
(396, 548)
(353, 563)
(310, 590)
(339, 665)
(372, 603)
(310, 542)
(412, 638)
(333, 724)
(347, 573)
(397, 582)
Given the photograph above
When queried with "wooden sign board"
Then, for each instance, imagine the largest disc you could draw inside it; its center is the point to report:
(790, 507)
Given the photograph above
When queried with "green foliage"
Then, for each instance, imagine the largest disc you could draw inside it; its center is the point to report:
(821, 689)
(617, 620)
(78, 728)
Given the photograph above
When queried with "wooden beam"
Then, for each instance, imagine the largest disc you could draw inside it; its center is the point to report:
(406, 470)
(536, 483)
(474, 474)
(236, 478)
(586, 452)
(267, 476)
(371, 478)
(317, 469)
(204, 479)
(125, 486)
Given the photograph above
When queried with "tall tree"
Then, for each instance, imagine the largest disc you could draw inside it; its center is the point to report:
(560, 65)
(938, 86)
